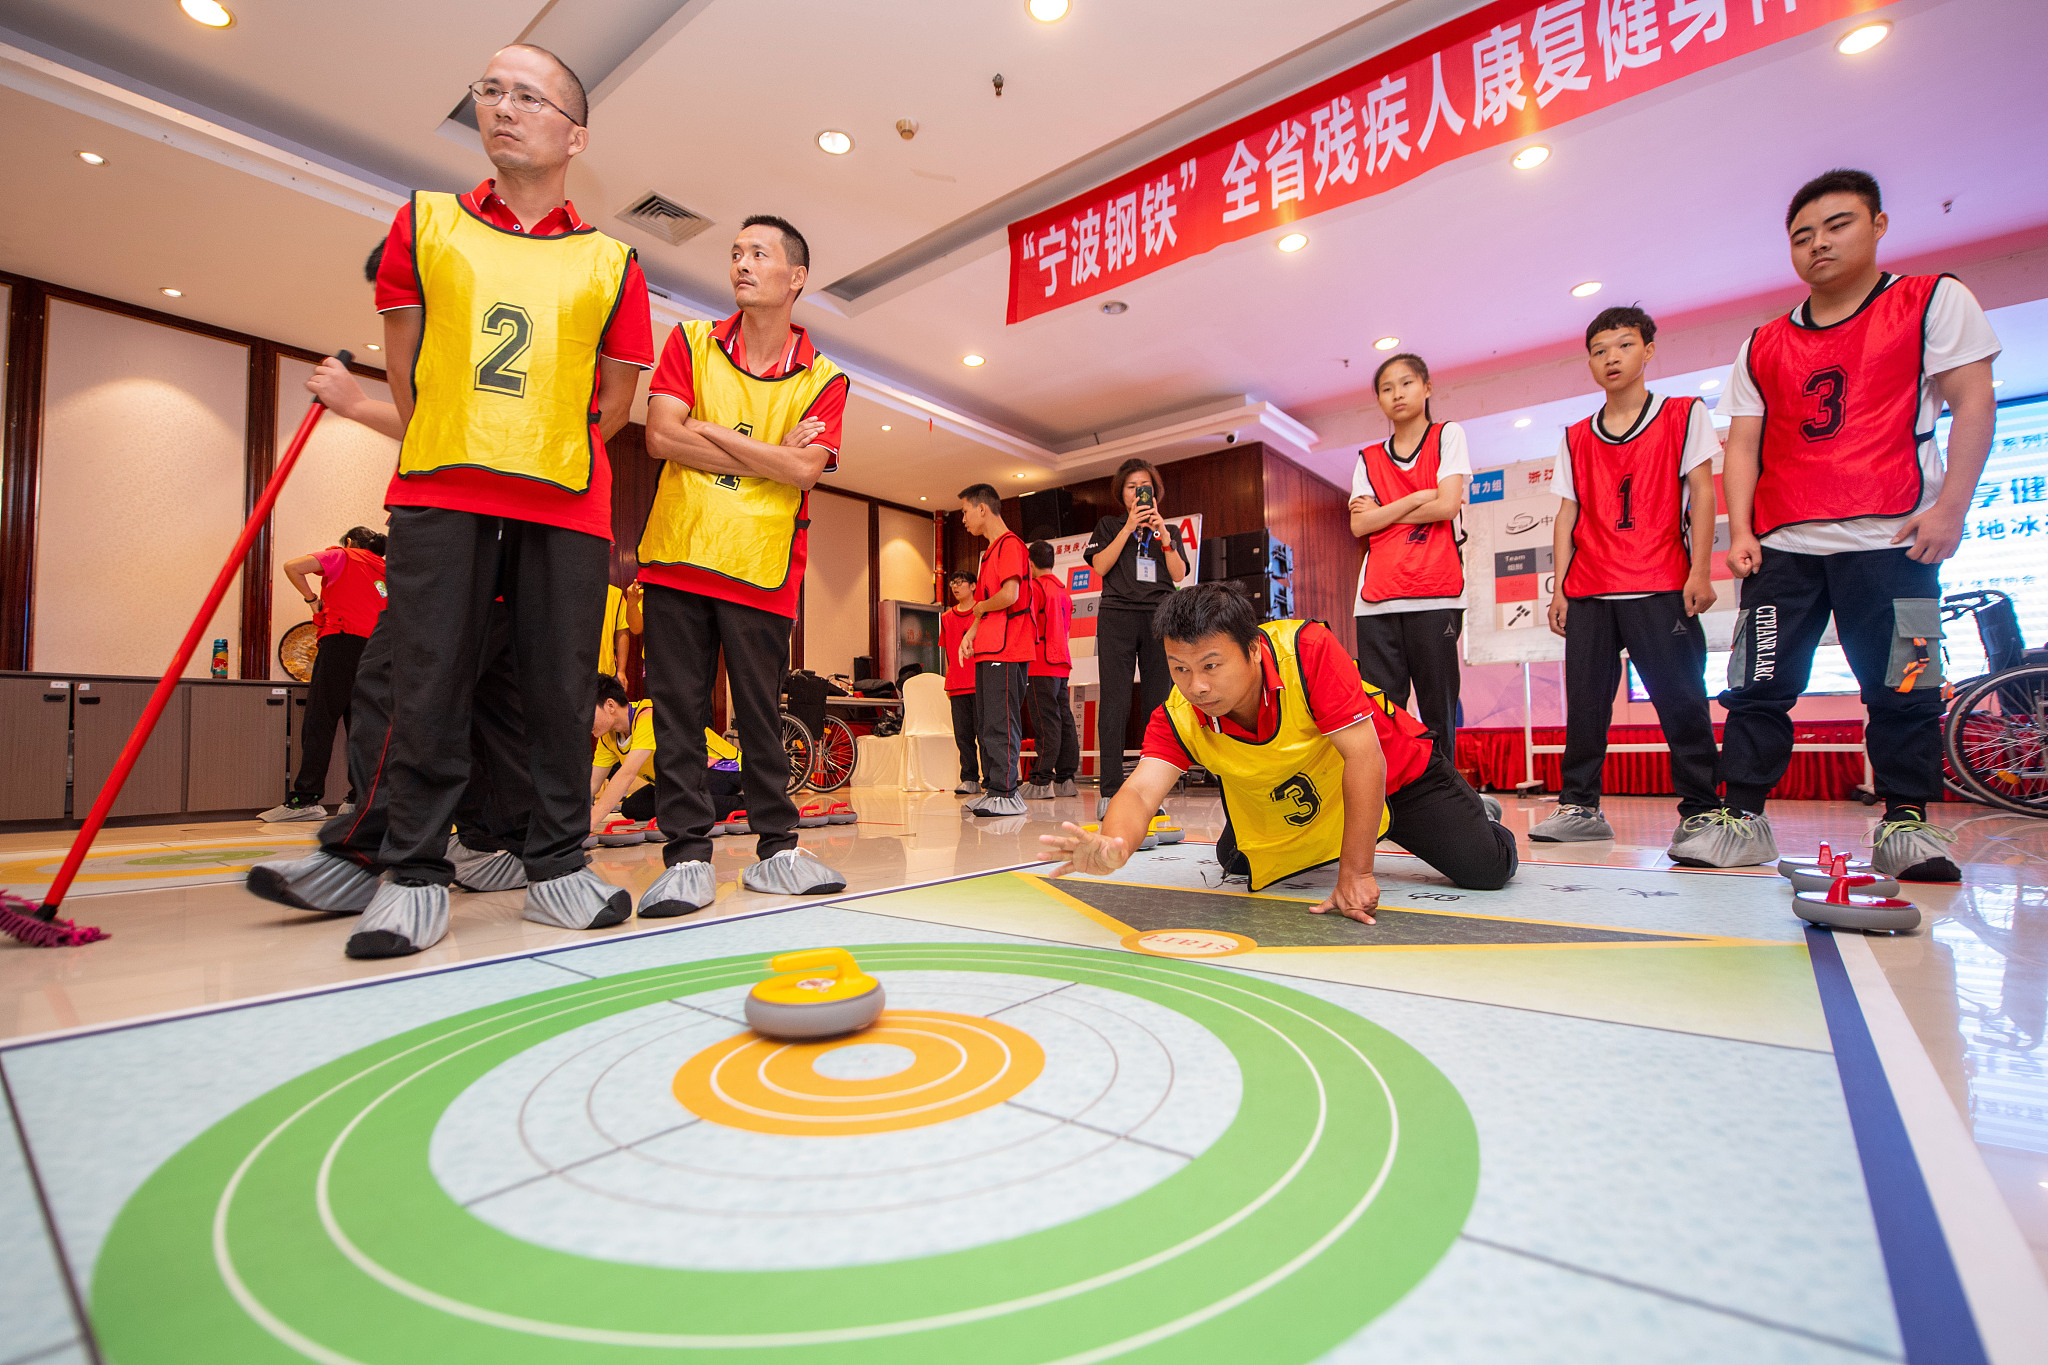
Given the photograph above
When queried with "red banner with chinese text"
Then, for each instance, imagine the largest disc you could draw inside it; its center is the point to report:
(1500, 73)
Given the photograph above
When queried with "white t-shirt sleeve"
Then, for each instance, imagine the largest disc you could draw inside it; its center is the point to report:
(1561, 473)
(1452, 457)
(1740, 398)
(1361, 486)
(1958, 333)
(1702, 443)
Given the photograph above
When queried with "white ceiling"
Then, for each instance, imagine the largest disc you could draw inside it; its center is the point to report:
(1673, 199)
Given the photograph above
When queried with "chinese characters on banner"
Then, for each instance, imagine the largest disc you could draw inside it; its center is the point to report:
(1499, 73)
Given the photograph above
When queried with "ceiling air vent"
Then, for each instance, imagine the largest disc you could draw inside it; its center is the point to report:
(664, 217)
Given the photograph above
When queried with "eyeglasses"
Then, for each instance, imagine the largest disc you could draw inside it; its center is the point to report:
(488, 95)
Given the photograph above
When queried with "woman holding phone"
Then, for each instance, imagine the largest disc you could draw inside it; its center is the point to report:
(1137, 557)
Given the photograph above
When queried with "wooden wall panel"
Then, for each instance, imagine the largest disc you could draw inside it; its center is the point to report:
(1314, 518)
(634, 475)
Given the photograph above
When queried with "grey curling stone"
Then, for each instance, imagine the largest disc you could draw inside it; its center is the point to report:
(1813, 907)
(1811, 877)
(824, 1019)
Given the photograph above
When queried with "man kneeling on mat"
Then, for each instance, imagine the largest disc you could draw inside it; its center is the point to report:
(1274, 710)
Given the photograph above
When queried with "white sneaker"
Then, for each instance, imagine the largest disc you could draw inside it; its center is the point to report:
(684, 889)
(792, 872)
(1723, 838)
(477, 871)
(1913, 851)
(1570, 825)
(286, 813)
(400, 920)
(319, 881)
(578, 900)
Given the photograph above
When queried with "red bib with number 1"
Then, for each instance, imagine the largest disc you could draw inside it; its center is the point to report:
(1630, 535)
(1841, 410)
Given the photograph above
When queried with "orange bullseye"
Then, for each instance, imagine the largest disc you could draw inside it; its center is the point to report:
(962, 1064)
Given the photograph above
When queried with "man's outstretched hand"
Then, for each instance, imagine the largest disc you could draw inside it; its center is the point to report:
(1356, 897)
(1088, 852)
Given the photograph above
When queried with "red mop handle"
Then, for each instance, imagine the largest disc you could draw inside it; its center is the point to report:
(162, 696)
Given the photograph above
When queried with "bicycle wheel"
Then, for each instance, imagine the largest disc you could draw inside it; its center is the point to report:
(834, 766)
(802, 750)
(1955, 785)
(1996, 738)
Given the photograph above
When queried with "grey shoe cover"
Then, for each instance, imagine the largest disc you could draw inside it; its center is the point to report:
(995, 803)
(319, 881)
(1036, 791)
(792, 872)
(476, 871)
(968, 788)
(1913, 851)
(1723, 838)
(278, 815)
(579, 900)
(683, 889)
(1571, 825)
(400, 920)
(1492, 808)
(1066, 788)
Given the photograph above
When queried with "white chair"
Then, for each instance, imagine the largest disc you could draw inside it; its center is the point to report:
(923, 757)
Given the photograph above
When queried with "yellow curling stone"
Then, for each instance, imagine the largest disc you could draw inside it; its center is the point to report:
(820, 994)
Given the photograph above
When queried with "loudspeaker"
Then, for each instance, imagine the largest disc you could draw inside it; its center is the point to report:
(1049, 514)
(1245, 554)
(1271, 598)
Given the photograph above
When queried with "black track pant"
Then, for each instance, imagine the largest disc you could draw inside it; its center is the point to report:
(443, 570)
(999, 690)
(1881, 601)
(1124, 644)
(1417, 649)
(1438, 818)
(686, 633)
(966, 737)
(1669, 651)
(327, 694)
(1059, 740)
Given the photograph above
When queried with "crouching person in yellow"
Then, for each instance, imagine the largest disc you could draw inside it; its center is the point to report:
(1275, 711)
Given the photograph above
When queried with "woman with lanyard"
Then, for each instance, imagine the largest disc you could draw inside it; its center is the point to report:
(1406, 494)
(1137, 558)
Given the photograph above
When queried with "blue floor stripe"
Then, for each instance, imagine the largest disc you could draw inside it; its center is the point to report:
(1934, 1316)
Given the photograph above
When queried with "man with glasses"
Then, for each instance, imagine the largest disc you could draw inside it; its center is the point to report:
(515, 334)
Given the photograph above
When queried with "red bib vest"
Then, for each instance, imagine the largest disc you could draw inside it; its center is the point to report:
(1410, 561)
(1841, 408)
(1053, 607)
(353, 599)
(952, 630)
(1630, 535)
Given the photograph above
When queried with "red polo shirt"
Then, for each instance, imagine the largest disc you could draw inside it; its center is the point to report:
(629, 338)
(673, 379)
(1336, 701)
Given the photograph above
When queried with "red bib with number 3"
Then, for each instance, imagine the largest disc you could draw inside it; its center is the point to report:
(1630, 535)
(1404, 561)
(1841, 411)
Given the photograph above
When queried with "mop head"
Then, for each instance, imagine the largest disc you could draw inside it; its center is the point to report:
(20, 919)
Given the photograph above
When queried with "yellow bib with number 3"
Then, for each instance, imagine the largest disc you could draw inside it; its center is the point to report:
(506, 378)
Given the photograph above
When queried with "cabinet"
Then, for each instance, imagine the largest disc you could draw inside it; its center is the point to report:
(103, 714)
(237, 754)
(35, 747)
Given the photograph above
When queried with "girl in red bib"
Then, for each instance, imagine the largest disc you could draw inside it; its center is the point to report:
(1406, 494)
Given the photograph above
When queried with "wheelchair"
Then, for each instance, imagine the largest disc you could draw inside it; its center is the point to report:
(1995, 735)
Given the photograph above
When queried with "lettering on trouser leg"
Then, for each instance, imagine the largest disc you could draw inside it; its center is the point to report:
(1763, 663)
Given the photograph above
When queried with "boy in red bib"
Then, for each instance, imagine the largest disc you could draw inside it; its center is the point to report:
(1632, 549)
(954, 624)
(1839, 503)
(1052, 714)
(1001, 643)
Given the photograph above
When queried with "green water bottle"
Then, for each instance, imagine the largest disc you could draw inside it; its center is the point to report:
(220, 658)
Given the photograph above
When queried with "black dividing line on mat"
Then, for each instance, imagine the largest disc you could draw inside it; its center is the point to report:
(35, 1181)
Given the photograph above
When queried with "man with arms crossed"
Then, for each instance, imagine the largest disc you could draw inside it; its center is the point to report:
(1633, 551)
(1274, 710)
(1839, 502)
(747, 414)
(507, 319)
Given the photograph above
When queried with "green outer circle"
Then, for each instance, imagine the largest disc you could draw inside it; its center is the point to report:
(159, 1294)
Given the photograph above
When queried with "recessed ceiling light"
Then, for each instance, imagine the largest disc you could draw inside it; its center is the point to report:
(1116, 306)
(1048, 11)
(1293, 241)
(171, 293)
(922, 498)
(1532, 156)
(373, 346)
(1386, 343)
(972, 362)
(1023, 476)
(1586, 290)
(1521, 422)
(1864, 37)
(92, 158)
(885, 426)
(211, 13)
(834, 142)
(1709, 385)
